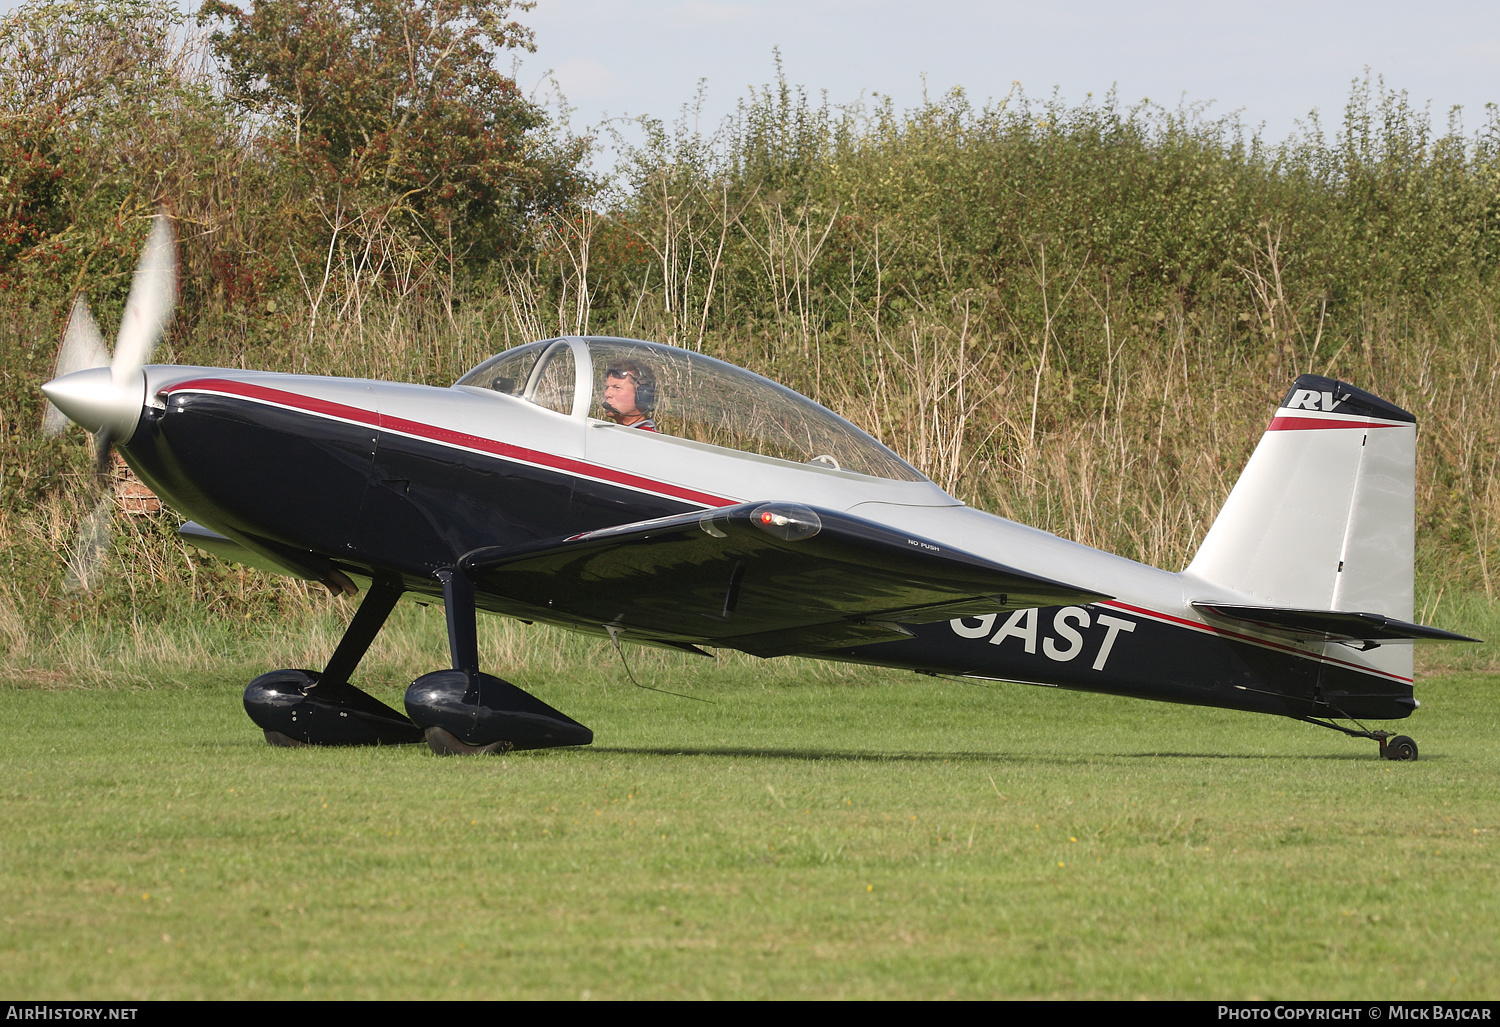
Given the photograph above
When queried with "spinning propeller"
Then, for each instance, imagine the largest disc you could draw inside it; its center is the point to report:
(105, 395)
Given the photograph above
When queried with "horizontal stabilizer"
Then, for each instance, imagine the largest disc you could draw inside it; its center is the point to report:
(1332, 625)
(767, 578)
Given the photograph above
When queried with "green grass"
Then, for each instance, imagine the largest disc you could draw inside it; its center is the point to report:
(817, 832)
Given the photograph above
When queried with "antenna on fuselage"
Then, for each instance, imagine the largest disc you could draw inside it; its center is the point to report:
(614, 637)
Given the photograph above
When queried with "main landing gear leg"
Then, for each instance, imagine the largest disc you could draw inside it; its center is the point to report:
(464, 710)
(303, 707)
(1392, 745)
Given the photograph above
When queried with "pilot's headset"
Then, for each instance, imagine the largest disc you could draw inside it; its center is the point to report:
(645, 382)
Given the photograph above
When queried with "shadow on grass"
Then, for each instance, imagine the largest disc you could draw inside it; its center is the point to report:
(810, 755)
(1338, 756)
(876, 756)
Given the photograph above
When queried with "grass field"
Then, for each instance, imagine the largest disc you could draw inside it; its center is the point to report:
(815, 832)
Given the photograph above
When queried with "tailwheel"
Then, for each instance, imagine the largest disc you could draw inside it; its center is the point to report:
(1392, 745)
(1398, 747)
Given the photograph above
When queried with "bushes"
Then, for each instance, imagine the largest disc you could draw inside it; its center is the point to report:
(1164, 205)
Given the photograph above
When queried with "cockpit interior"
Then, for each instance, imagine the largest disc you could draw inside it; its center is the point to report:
(633, 384)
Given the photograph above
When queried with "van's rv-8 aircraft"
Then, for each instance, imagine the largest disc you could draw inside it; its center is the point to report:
(665, 498)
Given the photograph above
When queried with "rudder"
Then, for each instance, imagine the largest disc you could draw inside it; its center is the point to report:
(1324, 515)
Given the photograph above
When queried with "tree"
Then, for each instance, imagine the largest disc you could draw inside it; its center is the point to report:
(100, 121)
(395, 110)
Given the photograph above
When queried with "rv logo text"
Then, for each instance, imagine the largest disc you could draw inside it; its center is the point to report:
(1307, 399)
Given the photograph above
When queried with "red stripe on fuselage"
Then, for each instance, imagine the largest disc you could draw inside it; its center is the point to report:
(1252, 639)
(446, 436)
(1285, 423)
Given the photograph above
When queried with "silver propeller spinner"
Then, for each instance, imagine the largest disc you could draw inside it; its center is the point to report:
(105, 395)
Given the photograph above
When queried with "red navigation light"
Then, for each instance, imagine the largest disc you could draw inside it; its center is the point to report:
(789, 521)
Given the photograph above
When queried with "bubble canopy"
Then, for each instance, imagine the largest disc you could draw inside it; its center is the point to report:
(689, 396)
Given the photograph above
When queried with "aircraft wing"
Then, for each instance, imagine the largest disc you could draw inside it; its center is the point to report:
(771, 579)
(1332, 625)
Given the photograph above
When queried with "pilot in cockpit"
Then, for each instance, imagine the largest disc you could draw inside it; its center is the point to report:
(629, 394)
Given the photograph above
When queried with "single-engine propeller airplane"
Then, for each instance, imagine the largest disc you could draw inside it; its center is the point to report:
(658, 496)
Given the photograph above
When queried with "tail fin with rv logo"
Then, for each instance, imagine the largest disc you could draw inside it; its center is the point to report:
(1323, 517)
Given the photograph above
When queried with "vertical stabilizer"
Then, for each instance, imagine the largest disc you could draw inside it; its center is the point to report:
(1324, 515)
